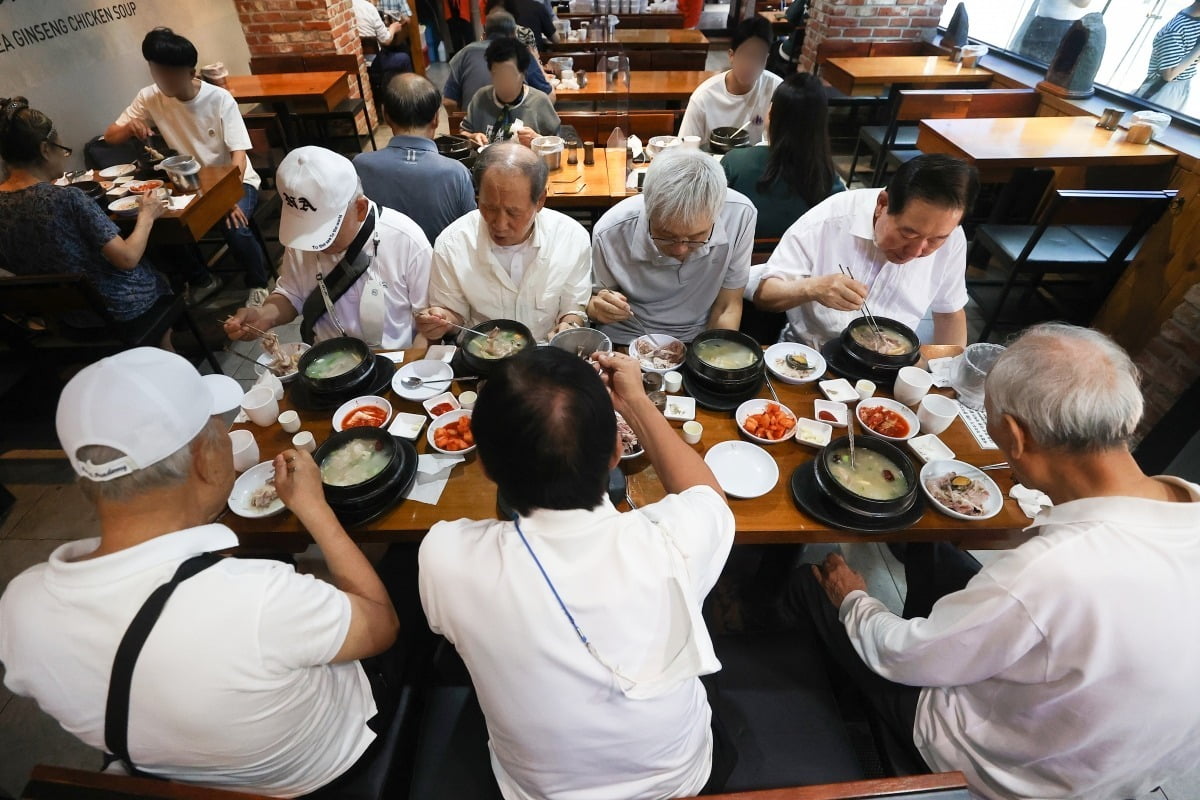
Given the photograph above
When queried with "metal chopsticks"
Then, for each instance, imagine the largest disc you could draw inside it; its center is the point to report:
(866, 311)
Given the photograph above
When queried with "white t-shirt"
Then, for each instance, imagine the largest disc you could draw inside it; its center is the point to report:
(1067, 669)
(713, 106)
(840, 230)
(401, 263)
(209, 126)
(469, 279)
(234, 687)
(370, 23)
(559, 725)
(1061, 9)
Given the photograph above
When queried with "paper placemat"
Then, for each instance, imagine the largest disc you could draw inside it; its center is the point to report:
(976, 422)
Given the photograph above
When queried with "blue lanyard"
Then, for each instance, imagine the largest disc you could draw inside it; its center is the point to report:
(541, 569)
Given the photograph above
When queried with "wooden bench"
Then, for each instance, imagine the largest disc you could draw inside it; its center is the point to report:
(939, 786)
(61, 783)
(595, 127)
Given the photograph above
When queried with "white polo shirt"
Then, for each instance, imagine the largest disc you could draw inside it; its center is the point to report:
(555, 273)
(560, 726)
(401, 263)
(234, 686)
(714, 106)
(841, 230)
(1067, 669)
(209, 126)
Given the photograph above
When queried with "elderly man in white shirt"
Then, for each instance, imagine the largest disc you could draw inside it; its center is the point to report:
(675, 258)
(1066, 669)
(512, 258)
(903, 245)
(581, 626)
(373, 261)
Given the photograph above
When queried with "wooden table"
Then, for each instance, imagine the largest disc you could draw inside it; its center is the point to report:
(772, 518)
(998, 147)
(869, 75)
(592, 181)
(644, 85)
(640, 39)
(287, 91)
(779, 21)
(220, 190)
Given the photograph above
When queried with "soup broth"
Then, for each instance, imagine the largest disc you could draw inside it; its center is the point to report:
(330, 365)
(875, 476)
(886, 342)
(497, 344)
(724, 354)
(354, 462)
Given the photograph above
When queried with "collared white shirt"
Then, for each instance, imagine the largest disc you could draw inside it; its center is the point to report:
(469, 280)
(841, 230)
(560, 727)
(668, 296)
(234, 687)
(712, 105)
(401, 263)
(1067, 669)
(370, 23)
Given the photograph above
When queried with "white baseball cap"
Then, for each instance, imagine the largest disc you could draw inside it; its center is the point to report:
(316, 186)
(145, 402)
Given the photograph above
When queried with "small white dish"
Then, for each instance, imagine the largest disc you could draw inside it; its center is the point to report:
(441, 352)
(813, 433)
(776, 360)
(124, 207)
(117, 191)
(246, 485)
(742, 469)
(647, 343)
(937, 469)
(350, 407)
(426, 369)
(290, 348)
(407, 425)
(680, 409)
(840, 412)
(929, 447)
(118, 171)
(124, 179)
(758, 406)
(839, 390)
(914, 425)
(440, 399)
(443, 421)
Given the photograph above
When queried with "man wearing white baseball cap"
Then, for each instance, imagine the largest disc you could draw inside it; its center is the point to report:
(247, 673)
(373, 261)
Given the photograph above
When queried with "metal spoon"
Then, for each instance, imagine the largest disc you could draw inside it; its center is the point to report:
(412, 381)
(850, 433)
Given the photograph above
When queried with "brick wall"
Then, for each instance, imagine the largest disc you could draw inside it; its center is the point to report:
(867, 20)
(1170, 362)
(296, 27)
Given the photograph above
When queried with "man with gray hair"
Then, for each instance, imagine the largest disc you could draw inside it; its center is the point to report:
(469, 71)
(677, 256)
(1067, 668)
(245, 674)
(513, 258)
(372, 261)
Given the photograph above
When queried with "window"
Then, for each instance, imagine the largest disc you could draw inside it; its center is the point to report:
(1137, 32)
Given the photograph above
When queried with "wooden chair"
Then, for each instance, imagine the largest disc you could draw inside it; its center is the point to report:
(58, 783)
(939, 786)
(912, 105)
(595, 127)
(346, 111)
(684, 58)
(1084, 239)
(78, 325)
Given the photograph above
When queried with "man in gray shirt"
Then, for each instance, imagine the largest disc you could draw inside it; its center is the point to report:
(677, 256)
(409, 175)
(494, 110)
(469, 70)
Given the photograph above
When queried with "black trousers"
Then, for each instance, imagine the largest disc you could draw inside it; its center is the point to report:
(932, 571)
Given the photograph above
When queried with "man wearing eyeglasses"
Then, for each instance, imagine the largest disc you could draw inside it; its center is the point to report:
(675, 259)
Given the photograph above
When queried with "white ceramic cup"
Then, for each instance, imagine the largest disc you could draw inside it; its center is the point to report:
(245, 449)
(261, 406)
(672, 382)
(691, 141)
(289, 421)
(865, 389)
(936, 413)
(467, 399)
(304, 441)
(912, 383)
(692, 431)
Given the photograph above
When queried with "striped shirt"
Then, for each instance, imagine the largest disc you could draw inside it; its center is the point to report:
(1172, 44)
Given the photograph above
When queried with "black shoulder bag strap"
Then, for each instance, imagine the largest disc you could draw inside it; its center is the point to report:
(116, 713)
(339, 280)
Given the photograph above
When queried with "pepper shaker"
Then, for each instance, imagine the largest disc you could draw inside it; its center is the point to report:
(572, 152)
(589, 156)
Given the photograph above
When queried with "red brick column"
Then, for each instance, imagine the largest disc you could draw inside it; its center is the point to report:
(1170, 362)
(867, 20)
(296, 27)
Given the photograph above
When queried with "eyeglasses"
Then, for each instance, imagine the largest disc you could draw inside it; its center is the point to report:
(67, 150)
(690, 244)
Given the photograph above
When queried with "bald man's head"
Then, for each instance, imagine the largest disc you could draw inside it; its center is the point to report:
(411, 103)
